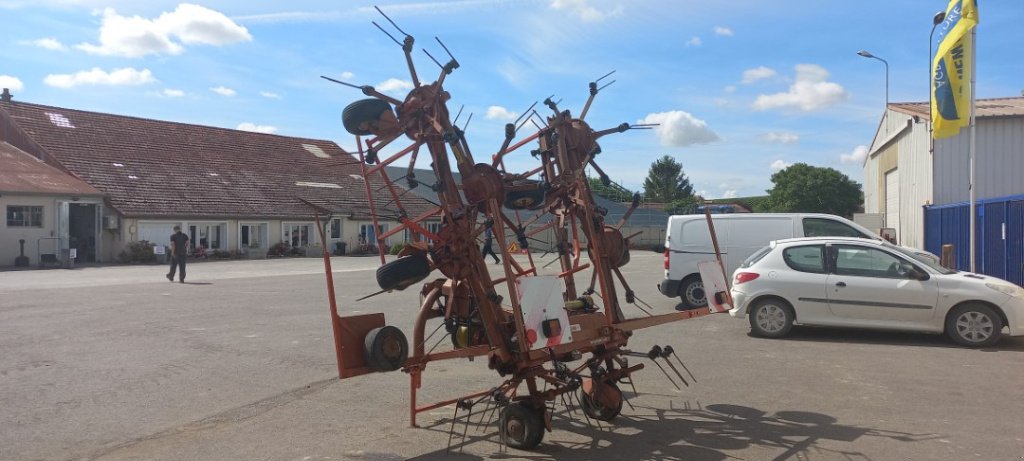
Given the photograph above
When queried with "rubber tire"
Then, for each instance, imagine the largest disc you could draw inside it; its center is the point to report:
(595, 410)
(525, 199)
(771, 307)
(532, 422)
(402, 272)
(361, 111)
(980, 312)
(385, 348)
(689, 284)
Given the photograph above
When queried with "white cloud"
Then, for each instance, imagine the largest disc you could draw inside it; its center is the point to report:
(695, 41)
(11, 83)
(49, 44)
(856, 157)
(223, 91)
(172, 93)
(97, 76)
(780, 137)
(188, 24)
(729, 89)
(724, 31)
(267, 94)
(757, 73)
(731, 193)
(500, 113)
(347, 75)
(394, 85)
(779, 165)
(249, 126)
(678, 128)
(584, 10)
(810, 92)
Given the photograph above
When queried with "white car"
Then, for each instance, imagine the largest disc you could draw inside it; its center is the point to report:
(863, 283)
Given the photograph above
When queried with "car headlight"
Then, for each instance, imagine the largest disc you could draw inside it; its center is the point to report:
(1011, 290)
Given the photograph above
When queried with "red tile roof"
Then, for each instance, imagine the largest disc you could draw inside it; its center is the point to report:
(24, 173)
(996, 107)
(152, 168)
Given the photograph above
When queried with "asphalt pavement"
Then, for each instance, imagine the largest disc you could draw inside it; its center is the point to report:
(116, 363)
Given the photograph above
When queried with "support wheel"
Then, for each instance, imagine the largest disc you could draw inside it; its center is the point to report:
(771, 318)
(385, 348)
(524, 199)
(521, 427)
(361, 115)
(603, 402)
(402, 272)
(974, 325)
(692, 293)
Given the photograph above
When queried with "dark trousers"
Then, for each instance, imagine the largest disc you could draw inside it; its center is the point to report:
(178, 262)
(488, 251)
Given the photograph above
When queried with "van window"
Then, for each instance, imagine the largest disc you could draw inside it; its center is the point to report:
(823, 227)
(805, 258)
(757, 256)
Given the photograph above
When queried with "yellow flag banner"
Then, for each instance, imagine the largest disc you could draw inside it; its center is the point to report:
(951, 65)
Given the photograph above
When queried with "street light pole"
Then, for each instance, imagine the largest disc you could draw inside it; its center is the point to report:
(869, 55)
(936, 20)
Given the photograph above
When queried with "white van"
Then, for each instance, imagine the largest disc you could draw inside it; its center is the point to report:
(687, 241)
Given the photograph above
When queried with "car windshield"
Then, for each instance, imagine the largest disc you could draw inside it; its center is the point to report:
(920, 258)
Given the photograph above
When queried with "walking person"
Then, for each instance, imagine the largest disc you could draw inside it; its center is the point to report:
(488, 240)
(179, 247)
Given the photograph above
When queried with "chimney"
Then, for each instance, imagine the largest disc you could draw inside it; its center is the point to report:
(6, 95)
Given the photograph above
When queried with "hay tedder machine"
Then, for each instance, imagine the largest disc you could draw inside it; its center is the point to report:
(551, 336)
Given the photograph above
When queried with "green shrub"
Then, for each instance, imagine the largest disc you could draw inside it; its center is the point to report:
(396, 248)
(279, 249)
(139, 252)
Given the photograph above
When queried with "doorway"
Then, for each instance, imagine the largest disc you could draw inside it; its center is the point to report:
(83, 231)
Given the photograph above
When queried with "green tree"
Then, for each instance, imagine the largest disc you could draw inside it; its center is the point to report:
(666, 181)
(685, 205)
(802, 188)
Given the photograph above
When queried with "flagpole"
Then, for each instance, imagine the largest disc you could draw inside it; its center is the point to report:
(974, 67)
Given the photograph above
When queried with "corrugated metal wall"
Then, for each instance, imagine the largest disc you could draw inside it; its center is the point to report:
(915, 170)
(999, 160)
(999, 235)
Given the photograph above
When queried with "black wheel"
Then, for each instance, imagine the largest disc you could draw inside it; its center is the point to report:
(357, 116)
(402, 272)
(521, 427)
(771, 318)
(385, 348)
(524, 199)
(974, 325)
(605, 406)
(692, 292)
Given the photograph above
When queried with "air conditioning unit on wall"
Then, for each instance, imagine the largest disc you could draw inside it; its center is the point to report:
(111, 222)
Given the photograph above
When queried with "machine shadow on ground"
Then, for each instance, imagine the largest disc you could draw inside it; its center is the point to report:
(694, 433)
(889, 338)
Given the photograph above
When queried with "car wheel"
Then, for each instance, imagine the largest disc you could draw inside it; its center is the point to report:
(771, 318)
(974, 325)
(692, 292)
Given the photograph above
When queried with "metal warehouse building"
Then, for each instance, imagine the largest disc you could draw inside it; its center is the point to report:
(922, 189)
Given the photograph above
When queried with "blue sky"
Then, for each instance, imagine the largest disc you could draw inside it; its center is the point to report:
(741, 87)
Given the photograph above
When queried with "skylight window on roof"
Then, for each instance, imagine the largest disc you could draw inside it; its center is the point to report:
(355, 176)
(119, 165)
(214, 174)
(59, 120)
(131, 176)
(315, 150)
(325, 185)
